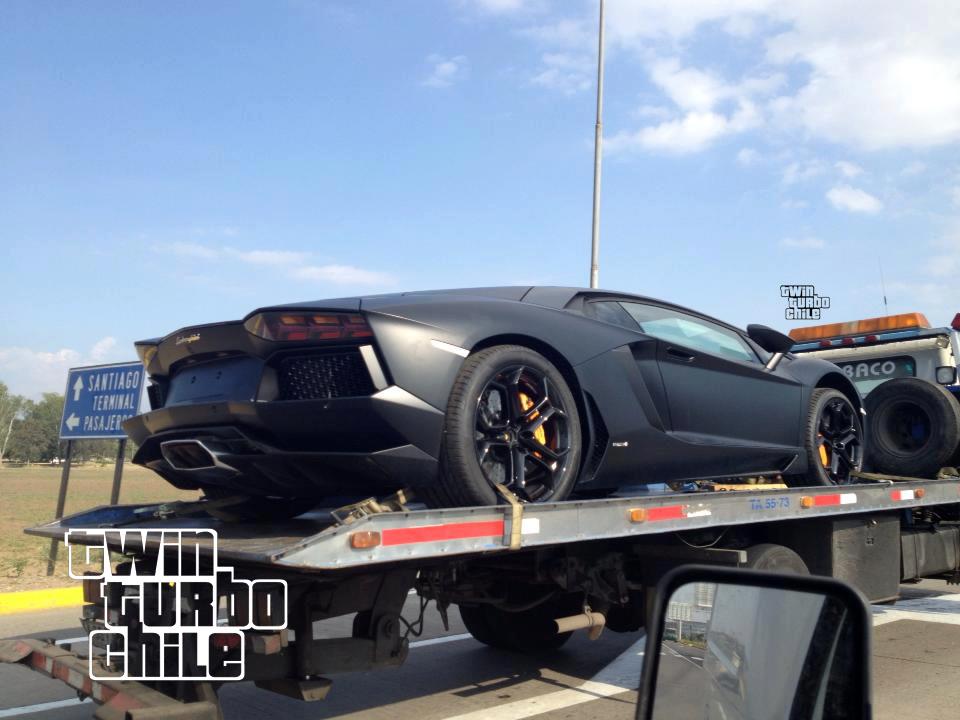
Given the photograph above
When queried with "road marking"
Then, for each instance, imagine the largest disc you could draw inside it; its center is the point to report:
(440, 640)
(70, 641)
(621, 675)
(940, 609)
(40, 707)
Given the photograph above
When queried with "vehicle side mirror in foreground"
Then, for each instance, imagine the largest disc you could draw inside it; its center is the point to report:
(769, 339)
(744, 645)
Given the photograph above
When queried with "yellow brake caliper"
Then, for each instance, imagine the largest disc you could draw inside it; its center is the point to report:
(824, 456)
(525, 404)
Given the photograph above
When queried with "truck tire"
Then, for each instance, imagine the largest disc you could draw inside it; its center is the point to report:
(529, 631)
(913, 427)
(511, 420)
(833, 440)
(475, 620)
(775, 558)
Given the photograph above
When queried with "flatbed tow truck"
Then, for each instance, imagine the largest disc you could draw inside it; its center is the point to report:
(524, 577)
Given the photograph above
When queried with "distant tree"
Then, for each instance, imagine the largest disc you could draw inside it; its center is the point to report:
(36, 433)
(10, 406)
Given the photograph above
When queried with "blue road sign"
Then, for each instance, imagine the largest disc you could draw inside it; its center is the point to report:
(99, 399)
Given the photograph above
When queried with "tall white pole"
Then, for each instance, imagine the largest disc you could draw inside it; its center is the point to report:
(597, 161)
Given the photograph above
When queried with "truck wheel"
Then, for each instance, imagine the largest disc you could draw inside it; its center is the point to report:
(775, 558)
(475, 619)
(511, 420)
(529, 631)
(914, 427)
(833, 439)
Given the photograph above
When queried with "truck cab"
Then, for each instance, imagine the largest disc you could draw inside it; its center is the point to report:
(906, 370)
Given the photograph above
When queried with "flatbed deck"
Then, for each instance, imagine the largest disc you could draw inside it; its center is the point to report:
(318, 542)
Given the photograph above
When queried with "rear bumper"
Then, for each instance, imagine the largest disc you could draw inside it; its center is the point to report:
(312, 447)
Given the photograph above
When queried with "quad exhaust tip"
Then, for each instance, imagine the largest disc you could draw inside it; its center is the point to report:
(191, 455)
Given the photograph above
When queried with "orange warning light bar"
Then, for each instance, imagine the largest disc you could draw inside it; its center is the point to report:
(860, 327)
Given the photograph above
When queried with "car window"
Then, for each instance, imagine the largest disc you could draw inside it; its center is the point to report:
(690, 331)
(612, 312)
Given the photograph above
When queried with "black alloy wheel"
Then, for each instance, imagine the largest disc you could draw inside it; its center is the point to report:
(522, 433)
(511, 421)
(838, 444)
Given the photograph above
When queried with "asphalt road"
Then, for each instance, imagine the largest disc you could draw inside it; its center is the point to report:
(450, 676)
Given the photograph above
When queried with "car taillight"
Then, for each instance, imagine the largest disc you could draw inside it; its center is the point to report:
(304, 327)
(956, 322)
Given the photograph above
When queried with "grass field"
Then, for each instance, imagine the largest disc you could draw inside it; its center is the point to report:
(28, 496)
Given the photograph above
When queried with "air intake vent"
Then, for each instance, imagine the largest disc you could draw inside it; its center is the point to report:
(155, 395)
(322, 376)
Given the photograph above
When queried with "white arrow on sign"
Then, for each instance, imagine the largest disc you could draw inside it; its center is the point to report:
(72, 422)
(77, 387)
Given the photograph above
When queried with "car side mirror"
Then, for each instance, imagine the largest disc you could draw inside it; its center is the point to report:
(769, 339)
(726, 643)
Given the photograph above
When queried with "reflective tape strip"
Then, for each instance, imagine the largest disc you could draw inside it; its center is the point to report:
(530, 526)
(434, 533)
(902, 495)
(666, 512)
(835, 499)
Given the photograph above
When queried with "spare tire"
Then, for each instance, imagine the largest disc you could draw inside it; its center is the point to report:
(913, 427)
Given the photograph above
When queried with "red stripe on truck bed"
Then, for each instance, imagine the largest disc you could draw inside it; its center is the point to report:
(449, 531)
(666, 512)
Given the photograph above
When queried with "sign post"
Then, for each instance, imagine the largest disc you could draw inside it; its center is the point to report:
(98, 400)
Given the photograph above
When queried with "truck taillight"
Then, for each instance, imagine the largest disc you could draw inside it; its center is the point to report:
(955, 323)
(308, 326)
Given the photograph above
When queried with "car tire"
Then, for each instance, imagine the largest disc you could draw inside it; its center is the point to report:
(830, 460)
(511, 419)
(914, 427)
(775, 558)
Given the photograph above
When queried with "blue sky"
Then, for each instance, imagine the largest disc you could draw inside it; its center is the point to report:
(176, 163)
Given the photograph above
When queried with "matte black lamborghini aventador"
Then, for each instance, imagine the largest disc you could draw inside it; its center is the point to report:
(549, 392)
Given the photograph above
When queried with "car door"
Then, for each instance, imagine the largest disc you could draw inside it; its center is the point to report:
(718, 390)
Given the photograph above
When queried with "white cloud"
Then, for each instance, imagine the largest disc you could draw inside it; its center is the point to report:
(32, 372)
(747, 157)
(270, 257)
(883, 77)
(565, 72)
(710, 109)
(792, 204)
(955, 194)
(342, 275)
(102, 348)
(693, 132)
(845, 197)
(445, 71)
(696, 89)
(286, 263)
(803, 243)
(800, 171)
(848, 169)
